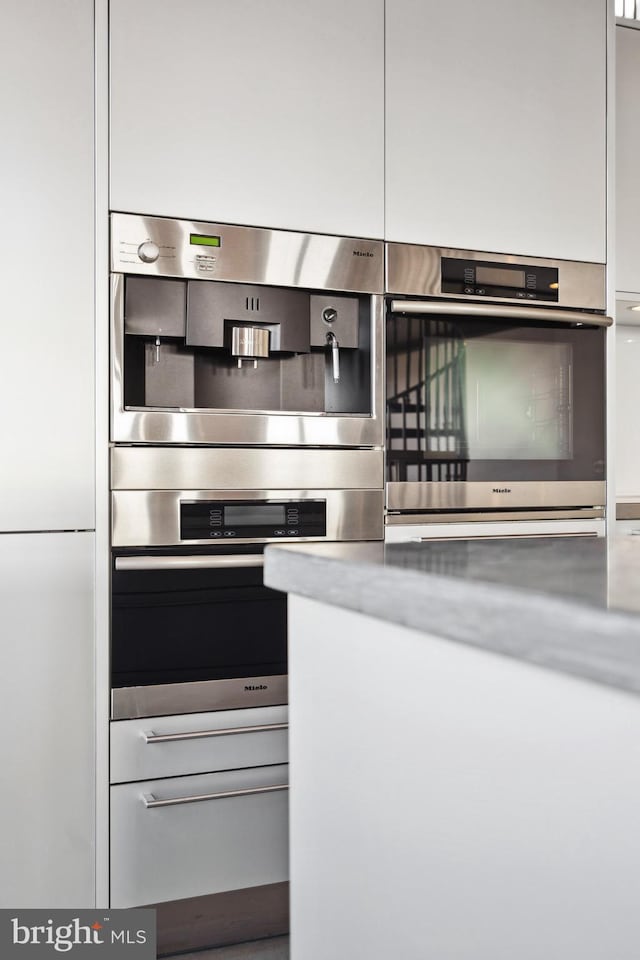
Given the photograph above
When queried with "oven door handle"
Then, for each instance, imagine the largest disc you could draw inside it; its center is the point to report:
(190, 563)
(150, 801)
(499, 311)
(152, 737)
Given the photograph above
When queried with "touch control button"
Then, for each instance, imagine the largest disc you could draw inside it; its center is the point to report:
(148, 251)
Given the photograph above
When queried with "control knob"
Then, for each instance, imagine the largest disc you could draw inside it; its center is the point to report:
(148, 251)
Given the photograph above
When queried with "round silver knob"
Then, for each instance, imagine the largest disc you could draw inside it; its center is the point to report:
(148, 251)
(329, 314)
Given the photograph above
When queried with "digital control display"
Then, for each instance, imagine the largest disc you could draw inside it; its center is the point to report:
(249, 515)
(203, 241)
(497, 277)
(482, 278)
(252, 519)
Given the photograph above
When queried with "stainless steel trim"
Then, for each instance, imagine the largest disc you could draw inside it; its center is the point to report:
(150, 801)
(183, 468)
(468, 495)
(414, 270)
(499, 311)
(406, 519)
(627, 510)
(189, 563)
(151, 737)
(151, 518)
(507, 536)
(164, 699)
(243, 428)
(283, 258)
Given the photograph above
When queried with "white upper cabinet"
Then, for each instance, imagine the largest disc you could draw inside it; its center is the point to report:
(241, 111)
(628, 159)
(47, 251)
(496, 125)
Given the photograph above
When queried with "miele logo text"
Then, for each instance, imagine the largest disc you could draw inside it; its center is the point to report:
(501, 489)
(257, 686)
(362, 253)
(42, 933)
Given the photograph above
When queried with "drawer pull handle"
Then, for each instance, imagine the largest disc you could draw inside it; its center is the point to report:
(203, 562)
(150, 801)
(152, 737)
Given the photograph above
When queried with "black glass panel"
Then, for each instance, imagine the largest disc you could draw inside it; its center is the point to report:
(480, 400)
(177, 625)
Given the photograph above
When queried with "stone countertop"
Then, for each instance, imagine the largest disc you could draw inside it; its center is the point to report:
(568, 604)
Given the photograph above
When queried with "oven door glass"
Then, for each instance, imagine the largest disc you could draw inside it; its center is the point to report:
(479, 400)
(176, 626)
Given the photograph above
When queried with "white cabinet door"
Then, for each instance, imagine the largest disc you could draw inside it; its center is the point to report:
(495, 125)
(192, 836)
(174, 746)
(627, 400)
(46, 251)
(243, 111)
(47, 720)
(628, 159)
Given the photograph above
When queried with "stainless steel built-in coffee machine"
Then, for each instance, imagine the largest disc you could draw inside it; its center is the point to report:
(241, 336)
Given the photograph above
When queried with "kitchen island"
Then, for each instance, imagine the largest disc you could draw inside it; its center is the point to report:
(465, 748)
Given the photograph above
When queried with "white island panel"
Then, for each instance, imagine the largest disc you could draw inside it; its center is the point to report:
(449, 802)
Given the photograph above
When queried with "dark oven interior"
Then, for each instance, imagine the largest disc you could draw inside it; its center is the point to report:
(180, 625)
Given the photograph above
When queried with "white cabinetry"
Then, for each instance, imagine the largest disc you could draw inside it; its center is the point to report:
(487, 810)
(47, 720)
(182, 837)
(495, 125)
(627, 159)
(198, 804)
(627, 403)
(242, 111)
(191, 743)
(46, 251)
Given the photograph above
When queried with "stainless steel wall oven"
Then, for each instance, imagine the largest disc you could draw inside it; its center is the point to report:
(495, 379)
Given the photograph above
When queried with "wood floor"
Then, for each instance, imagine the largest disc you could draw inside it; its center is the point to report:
(275, 948)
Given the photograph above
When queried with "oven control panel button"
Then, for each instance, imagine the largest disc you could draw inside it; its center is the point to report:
(148, 251)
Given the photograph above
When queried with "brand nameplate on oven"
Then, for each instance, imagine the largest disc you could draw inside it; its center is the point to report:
(256, 519)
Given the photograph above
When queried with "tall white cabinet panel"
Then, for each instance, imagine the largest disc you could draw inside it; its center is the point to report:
(243, 111)
(627, 159)
(47, 720)
(46, 251)
(627, 465)
(495, 125)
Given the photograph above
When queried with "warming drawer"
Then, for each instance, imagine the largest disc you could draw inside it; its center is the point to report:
(198, 835)
(198, 743)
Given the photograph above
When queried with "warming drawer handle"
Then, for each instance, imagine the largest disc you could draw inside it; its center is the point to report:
(500, 311)
(190, 563)
(152, 737)
(150, 801)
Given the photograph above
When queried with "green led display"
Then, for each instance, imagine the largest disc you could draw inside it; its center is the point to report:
(204, 241)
